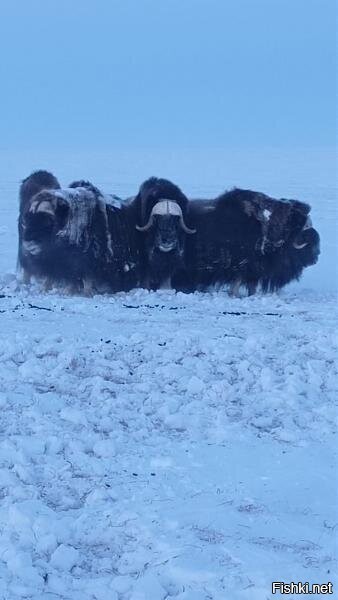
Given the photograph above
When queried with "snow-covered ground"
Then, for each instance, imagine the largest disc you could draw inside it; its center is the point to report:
(162, 445)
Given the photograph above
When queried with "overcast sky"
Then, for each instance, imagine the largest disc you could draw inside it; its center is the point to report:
(194, 73)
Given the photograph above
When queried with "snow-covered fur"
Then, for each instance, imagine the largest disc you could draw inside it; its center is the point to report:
(246, 238)
(162, 243)
(83, 183)
(73, 237)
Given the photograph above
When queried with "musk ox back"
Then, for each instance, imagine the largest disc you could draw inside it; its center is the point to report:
(159, 211)
(76, 237)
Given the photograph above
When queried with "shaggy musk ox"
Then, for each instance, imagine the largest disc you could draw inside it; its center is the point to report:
(248, 239)
(76, 237)
(159, 213)
(93, 242)
(30, 187)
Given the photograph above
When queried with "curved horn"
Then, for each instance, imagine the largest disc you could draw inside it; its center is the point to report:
(163, 207)
(308, 224)
(299, 246)
(184, 226)
(169, 207)
(147, 225)
(166, 207)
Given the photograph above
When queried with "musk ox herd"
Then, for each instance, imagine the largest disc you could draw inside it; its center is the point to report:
(93, 242)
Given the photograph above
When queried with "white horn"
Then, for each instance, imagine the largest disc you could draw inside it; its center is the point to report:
(45, 207)
(299, 246)
(185, 228)
(146, 226)
(163, 207)
(169, 207)
(308, 224)
(166, 207)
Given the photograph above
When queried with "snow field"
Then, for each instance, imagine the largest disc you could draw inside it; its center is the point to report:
(159, 445)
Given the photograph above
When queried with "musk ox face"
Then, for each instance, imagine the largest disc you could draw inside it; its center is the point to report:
(166, 234)
(165, 228)
(45, 215)
(307, 246)
(307, 242)
(300, 237)
(160, 218)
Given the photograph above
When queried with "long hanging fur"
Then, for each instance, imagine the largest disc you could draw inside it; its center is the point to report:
(246, 238)
(74, 237)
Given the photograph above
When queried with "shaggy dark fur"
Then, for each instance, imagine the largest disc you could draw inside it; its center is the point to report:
(74, 237)
(88, 241)
(287, 263)
(32, 185)
(37, 181)
(151, 191)
(83, 183)
(246, 238)
(159, 267)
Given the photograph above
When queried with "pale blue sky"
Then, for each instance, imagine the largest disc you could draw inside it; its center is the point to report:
(174, 73)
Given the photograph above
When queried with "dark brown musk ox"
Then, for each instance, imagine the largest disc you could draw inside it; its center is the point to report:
(246, 238)
(159, 214)
(76, 237)
(30, 187)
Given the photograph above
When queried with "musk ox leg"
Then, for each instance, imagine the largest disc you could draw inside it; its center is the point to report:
(88, 288)
(26, 277)
(234, 288)
(145, 283)
(72, 288)
(165, 284)
(251, 287)
(48, 284)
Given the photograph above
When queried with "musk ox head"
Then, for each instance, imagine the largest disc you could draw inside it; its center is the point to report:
(35, 183)
(300, 236)
(167, 221)
(306, 244)
(160, 217)
(45, 215)
(161, 211)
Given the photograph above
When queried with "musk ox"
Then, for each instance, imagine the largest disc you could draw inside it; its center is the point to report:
(30, 187)
(94, 243)
(159, 213)
(77, 237)
(245, 238)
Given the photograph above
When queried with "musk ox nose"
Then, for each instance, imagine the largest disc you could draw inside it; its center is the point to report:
(166, 247)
